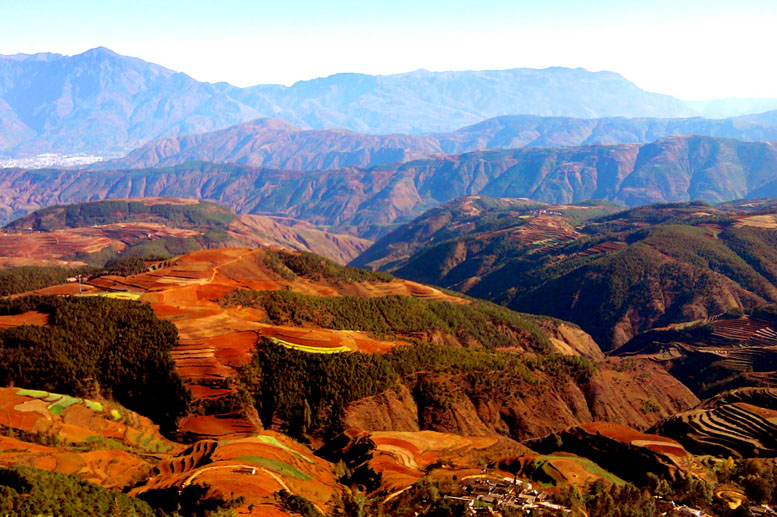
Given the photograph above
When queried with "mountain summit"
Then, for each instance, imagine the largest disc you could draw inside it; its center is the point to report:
(101, 102)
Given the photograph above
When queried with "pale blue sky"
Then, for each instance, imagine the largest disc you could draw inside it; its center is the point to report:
(692, 49)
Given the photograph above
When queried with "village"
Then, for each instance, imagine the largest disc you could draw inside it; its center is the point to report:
(484, 496)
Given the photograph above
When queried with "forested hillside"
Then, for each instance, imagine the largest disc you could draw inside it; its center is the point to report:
(95, 346)
(616, 275)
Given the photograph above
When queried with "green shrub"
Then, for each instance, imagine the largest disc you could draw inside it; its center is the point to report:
(25, 491)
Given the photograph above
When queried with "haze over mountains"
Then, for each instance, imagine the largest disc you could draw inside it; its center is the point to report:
(105, 103)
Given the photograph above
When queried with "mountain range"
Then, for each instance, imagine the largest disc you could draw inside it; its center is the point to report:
(103, 103)
(364, 200)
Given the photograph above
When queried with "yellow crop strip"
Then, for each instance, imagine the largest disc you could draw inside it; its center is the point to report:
(311, 349)
(121, 295)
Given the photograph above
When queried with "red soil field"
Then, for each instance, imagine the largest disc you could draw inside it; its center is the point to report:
(27, 318)
(214, 340)
(218, 426)
(42, 247)
(225, 467)
(625, 434)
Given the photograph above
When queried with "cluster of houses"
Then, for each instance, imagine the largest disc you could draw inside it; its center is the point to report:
(670, 508)
(553, 213)
(485, 496)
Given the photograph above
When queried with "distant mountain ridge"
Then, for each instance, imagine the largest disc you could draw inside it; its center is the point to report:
(363, 201)
(279, 144)
(102, 102)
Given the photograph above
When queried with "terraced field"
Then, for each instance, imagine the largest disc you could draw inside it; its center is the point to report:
(57, 234)
(744, 331)
(402, 458)
(542, 233)
(559, 470)
(745, 348)
(254, 468)
(604, 247)
(746, 345)
(97, 440)
(27, 318)
(768, 221)
(104, 443)
(742, 423)
(55, 247)
(215, 340)
(625, 452)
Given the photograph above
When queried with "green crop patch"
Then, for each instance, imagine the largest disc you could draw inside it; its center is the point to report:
(587, 464)
(271, 440)
(37, 394)
(94, 406)
(276, 466)
(62, 404)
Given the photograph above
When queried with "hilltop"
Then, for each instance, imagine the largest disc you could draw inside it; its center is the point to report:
(98, 231)
(364, 201)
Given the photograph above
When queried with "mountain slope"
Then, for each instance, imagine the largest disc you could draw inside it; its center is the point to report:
(102, 103)
(278, 144)
(243, 315)
(155, 227)
(616, 276)
(281, 145)
(739, 423)
(395, 384)
(364, 200)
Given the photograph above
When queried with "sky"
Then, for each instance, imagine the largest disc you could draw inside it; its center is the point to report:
(691, 49)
